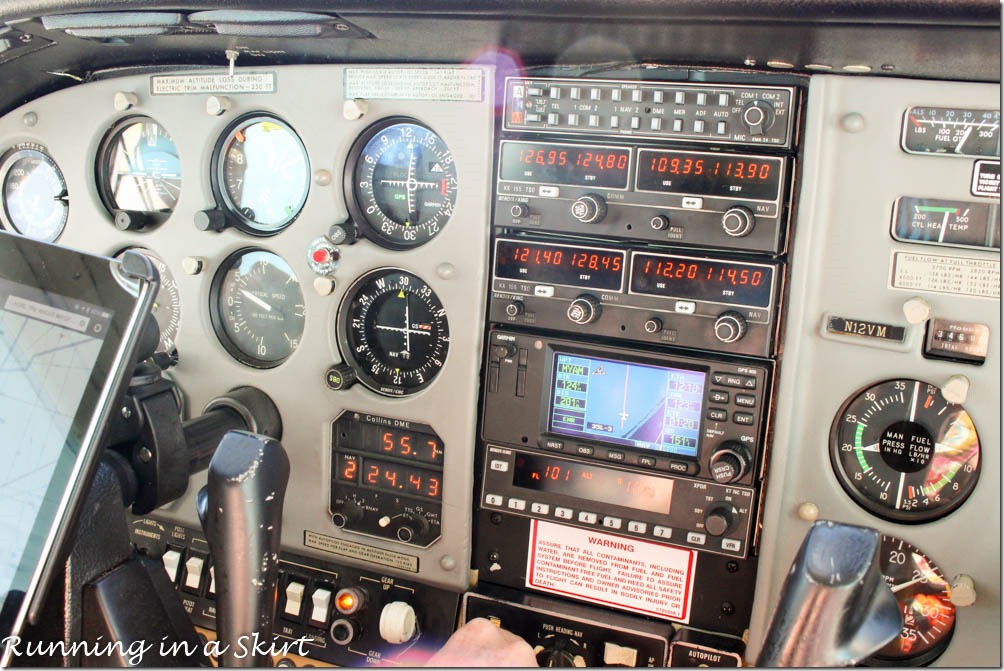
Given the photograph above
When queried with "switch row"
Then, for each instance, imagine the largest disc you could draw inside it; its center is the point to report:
(657, 96)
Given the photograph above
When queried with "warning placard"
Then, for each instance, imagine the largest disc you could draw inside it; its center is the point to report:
(624, 573)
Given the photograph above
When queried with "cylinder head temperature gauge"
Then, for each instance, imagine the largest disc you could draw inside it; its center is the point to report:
(905, 453)
(924, 597)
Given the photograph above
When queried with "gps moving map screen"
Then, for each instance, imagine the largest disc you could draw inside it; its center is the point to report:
(630, 404)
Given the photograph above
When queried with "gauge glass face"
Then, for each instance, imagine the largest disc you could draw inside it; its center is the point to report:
(35, 203)
(404, 183)
(141, 170)
(393, 330)
(924, 599)
(264, 174)
(905, 453)
(952, 132)
(257, 308)
(167, 304)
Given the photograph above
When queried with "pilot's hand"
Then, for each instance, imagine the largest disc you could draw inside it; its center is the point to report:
(481, 643)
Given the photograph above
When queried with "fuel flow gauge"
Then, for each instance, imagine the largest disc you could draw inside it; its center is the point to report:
(903, 452)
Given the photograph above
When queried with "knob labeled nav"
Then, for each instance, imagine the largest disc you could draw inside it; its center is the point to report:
(730, 326)
(738, 222)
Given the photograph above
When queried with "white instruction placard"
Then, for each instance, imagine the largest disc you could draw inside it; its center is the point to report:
(625, 573)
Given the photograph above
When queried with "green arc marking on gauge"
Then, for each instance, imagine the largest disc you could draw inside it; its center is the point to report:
(935, 208)
(858, 433)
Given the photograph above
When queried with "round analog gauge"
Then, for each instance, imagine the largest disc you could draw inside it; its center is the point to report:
(139, 169)
(924, 597)
(392, 329)
(257, 308)
(35, 203)
(401, 183)
(167, 303)
(905, 453)
(262, 174)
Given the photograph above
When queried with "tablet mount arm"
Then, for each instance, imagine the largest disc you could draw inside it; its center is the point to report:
(109, 592)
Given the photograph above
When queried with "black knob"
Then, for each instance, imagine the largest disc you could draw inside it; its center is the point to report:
(127, 220)
(339, 377)
(758, 117)
(515, 308)
(584, 310)
(210, 220)
(653, 325)
(347, 513)
(659, 222)
(738, 222)
(343, 234)
(719, 519)
(730, 462)
(558, 656)
(519, 210)
(504, 350)
(590, 209)
(730, 326)
(411, 526)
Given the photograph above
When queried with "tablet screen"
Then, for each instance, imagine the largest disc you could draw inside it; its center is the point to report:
(69, 325)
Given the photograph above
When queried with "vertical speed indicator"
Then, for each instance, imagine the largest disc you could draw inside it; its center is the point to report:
(903, 452)
(400, 183)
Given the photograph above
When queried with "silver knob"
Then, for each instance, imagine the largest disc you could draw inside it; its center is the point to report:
(738, 221)
(730, 326)
(584, 310)
(590, 209)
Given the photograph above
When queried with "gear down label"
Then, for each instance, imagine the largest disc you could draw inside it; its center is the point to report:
(626, 573)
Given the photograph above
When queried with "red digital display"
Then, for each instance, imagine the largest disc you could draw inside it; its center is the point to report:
(574, 165)
(712, 280)
(389, 476)
(593, 483)
(568, 265)
(708, 174)
(392, 441)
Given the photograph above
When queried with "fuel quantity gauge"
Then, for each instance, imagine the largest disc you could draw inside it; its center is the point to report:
(903, 452)
(952, 132)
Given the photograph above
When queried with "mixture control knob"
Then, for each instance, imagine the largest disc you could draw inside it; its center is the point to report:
(730, 462)
(515, 309)
(730, 326)
(590, 209)
(398, 623)
(340, 377)
(584, 310)
(719, 519)
(738, 222)
(758, 117)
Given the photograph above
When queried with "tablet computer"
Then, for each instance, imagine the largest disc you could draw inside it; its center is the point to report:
(69, 326)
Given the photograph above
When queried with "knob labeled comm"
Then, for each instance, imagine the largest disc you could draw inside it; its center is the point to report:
(738, 222)
(589, 209)
(730, 462)
(730, 326)
(584, 310)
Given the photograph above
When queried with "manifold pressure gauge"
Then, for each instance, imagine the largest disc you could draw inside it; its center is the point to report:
(903, 452)
(392, 329)
(400, 183)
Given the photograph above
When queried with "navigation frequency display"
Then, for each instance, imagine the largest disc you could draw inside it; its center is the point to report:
(631, 404)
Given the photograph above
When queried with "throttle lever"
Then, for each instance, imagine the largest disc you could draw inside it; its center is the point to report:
(241, 512)
(835, 608)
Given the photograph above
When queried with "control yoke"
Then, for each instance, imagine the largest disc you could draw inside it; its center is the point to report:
(835, 608)
(241, 512)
